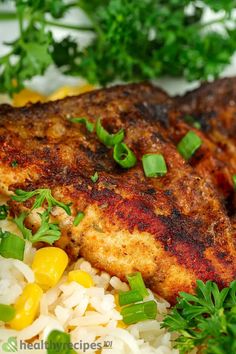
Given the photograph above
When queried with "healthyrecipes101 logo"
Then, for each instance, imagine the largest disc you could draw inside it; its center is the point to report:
(12, 346)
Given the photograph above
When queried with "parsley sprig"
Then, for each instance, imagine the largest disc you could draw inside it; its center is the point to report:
(41, 195)
(131, 40)
(206, 320)
(47, 232)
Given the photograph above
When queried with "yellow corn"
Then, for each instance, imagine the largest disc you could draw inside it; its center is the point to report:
(26, 307)
(69, 91)
(25, 96)
(81, 277)
(48, 265)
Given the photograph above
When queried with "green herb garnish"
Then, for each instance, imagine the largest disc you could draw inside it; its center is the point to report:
(11, 246)
(207, 319)
(189, 144)
(129, 297)
(131, 40)
(95, 177)
(14, 163)
(85, 121)
(107, 138)
(234, 181)
(79, 217)
(136, 283)
(7, 313)
(124, 156)
(139, 312)
(41, 195)
(154, 165)
(58, 339)
(3, 211)
(47, 232)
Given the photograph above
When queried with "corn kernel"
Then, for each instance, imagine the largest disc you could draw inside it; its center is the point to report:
(48, 265)
(121, 324)
(69, 91)
(81, 277)
(26, 307)
(25, 96)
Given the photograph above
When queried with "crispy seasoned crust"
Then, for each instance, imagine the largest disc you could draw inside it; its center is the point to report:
(213, 105)
(173, 229)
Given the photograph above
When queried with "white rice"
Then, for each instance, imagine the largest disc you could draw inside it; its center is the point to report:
(90, 315)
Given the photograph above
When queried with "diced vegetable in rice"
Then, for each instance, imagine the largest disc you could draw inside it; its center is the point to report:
(88, 314)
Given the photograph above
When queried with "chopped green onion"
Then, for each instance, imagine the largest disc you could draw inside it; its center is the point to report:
(192, 121)
(136, 283)
(189, 145)
(7, 313)
(3, 212)
(234, 181)
(154, 165)
(85, 121)
(129, 297)
(139, 312)
(12, 246)
(124, 156)
(79, 217)
(107, 138)
(95, 177)
(14, 163)
(59, 342)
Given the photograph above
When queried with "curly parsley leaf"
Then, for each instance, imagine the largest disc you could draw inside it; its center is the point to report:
(207, 319)
(130, 41)
(41, 195)
(3, 211)
(47, 232)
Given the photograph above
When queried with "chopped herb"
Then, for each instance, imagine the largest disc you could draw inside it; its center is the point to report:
(234, 181)
(107, 138)
(11, 246)
(3, 211)
(139, 312)
(129, 297)
(47, 232)
(206, 319)
(7, 313)
(14, 163)
(154, 165)
(79, 217)
(131, 40)
(95, 177)
(59, 339)
(85, 121)
(124, 156)
(192, 121)
(189, 144)
(41, 195)
(136, 283)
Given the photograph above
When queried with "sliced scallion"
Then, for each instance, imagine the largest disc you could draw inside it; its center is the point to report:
(129, 297)
(234, 181)
(139, 312)
(7, 313)
(124, 156)
(95, 177)
(136, 283)
(85, 121)
(107, 138)
(154, 165)
(79, 217)
(59, 342)
(3, 212)
(12, 246)
(189, 145)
